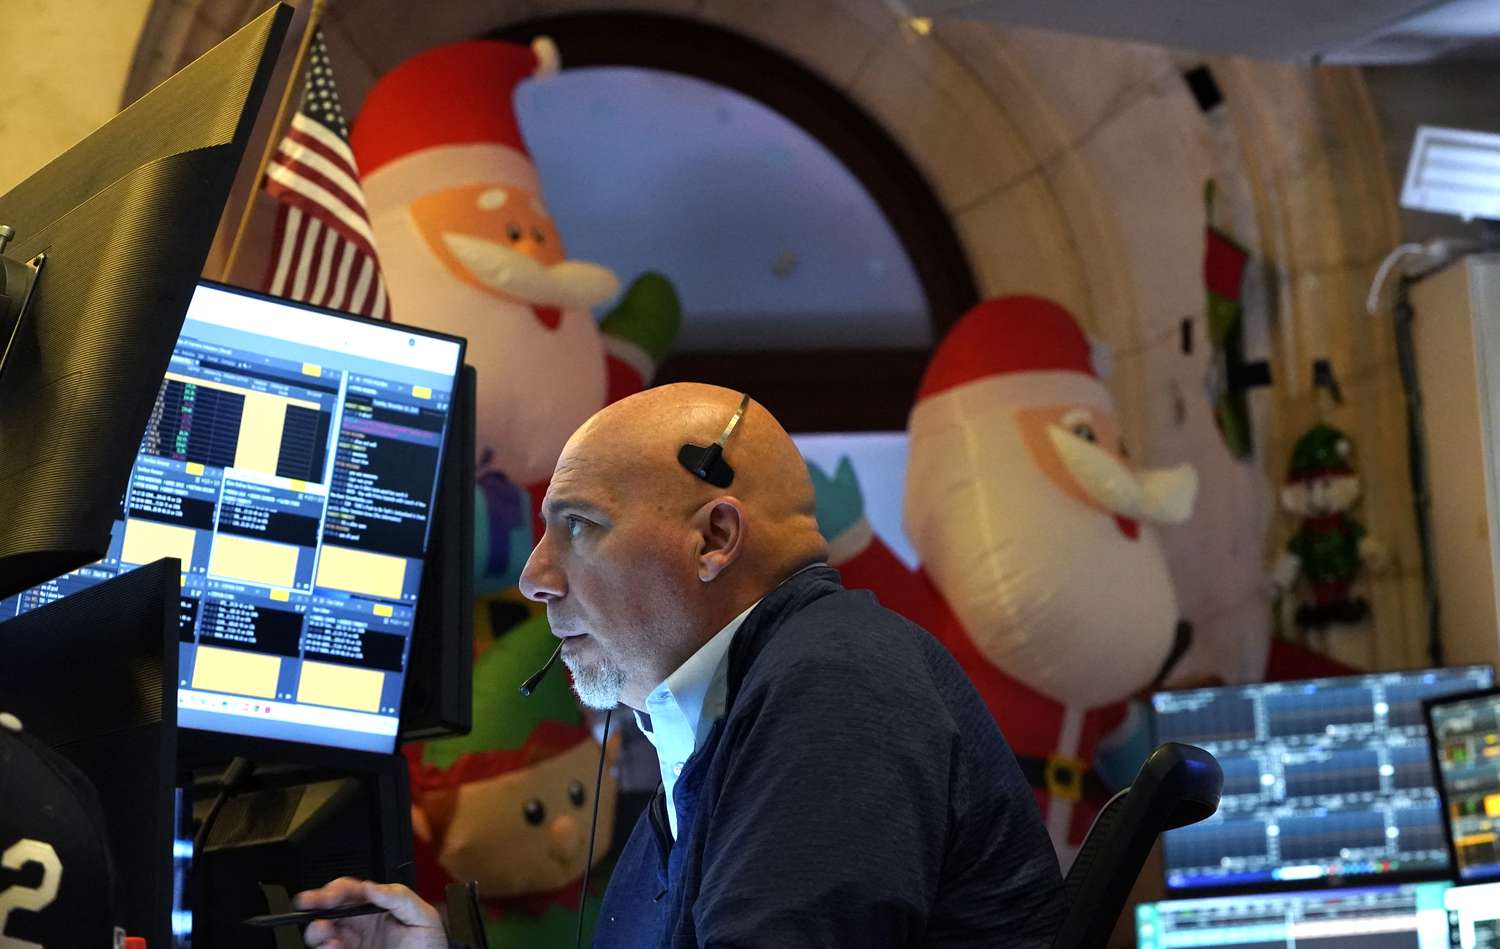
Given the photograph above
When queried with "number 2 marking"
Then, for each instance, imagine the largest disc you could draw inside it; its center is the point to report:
(32, 898)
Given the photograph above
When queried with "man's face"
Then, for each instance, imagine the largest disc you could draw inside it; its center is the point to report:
(612, 570)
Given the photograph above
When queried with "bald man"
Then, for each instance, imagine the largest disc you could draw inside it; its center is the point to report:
(829, 777)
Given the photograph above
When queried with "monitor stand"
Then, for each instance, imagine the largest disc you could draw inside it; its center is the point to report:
(290, 828)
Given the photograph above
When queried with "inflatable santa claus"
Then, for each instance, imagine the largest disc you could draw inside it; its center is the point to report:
(1040, 570)
(467, 247)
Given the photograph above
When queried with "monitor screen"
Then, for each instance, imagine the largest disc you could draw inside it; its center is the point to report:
(290, 462)
(1409, 916)
(1324, 779)
(1474, 916)
(1466, 744)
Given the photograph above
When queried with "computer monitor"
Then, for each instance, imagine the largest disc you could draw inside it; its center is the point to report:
(291, 463)
(94, 676)
(120, 225)
(1325, 780)
(1466, 752)
(438, 700)
(1406, 916)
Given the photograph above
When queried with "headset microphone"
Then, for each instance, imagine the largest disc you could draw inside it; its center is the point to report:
(536, 677)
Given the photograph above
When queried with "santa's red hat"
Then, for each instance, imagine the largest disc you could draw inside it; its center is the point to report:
(449, 95)
(999, 340)
(453, 104)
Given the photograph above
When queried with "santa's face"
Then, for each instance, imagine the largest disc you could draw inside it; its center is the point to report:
(1079, 449)
(1087, 425)
(499, 239)
(450, 264)
(1028, 519)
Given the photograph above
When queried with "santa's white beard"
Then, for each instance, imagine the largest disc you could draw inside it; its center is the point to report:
(1050, 590)
(535, 385)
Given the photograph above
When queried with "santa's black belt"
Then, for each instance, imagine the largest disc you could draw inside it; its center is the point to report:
(1061, 776)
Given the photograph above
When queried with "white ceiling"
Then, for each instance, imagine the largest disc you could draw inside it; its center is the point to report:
(1334, 31)
(770, 241)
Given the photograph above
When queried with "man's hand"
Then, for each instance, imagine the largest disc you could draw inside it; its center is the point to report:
(407, 923)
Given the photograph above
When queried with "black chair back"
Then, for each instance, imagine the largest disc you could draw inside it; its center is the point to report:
(1178, 785)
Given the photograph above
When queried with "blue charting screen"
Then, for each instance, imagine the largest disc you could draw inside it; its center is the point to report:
(291, 464)
(1411, 916)
(1434, 915)
(1325, 778)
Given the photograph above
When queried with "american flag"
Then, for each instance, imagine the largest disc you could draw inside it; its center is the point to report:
(324, 251)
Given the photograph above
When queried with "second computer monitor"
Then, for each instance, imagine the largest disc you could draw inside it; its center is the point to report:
(1466, 751)
(290, 463)
(1325, 780)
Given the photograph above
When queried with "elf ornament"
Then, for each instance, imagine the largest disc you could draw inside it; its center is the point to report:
(1329, 547)
(1040, 570)
(508, 805)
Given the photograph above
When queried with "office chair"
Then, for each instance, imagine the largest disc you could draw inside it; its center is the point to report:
(1178, 785)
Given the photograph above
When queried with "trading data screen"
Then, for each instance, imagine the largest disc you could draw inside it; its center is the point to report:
(1412, 916)
(1322, 778)
(1466, 737)
(291, 464)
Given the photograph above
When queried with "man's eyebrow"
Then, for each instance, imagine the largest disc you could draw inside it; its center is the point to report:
(555, 507)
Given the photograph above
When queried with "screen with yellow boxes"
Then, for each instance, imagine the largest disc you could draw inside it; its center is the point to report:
(1466, 749)
(291, 464)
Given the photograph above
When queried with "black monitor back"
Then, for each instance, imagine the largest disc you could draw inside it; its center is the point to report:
(440, 669)
(94, 675)
(296, 828)
(125, 219)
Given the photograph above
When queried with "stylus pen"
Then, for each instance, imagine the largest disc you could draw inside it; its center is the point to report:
(307, 916)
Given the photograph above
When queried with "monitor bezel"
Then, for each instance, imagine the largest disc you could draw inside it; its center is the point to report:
(1428, 705)
(1361, 880)
(199, 747)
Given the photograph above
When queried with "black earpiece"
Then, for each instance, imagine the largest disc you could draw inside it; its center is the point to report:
(707, 462)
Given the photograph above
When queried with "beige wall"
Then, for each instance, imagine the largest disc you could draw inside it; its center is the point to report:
(65, 67)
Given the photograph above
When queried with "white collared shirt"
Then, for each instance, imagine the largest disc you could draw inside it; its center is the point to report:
(685, 707)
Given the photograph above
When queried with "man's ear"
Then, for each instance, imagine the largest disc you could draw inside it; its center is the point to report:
(722, 523)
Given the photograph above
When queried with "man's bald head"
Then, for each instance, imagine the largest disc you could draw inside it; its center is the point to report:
(635, 443)
(642, 561)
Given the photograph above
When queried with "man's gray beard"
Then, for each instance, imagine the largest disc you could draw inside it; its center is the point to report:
(597, 684)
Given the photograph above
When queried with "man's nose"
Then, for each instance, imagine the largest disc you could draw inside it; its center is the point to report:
(540, 579)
